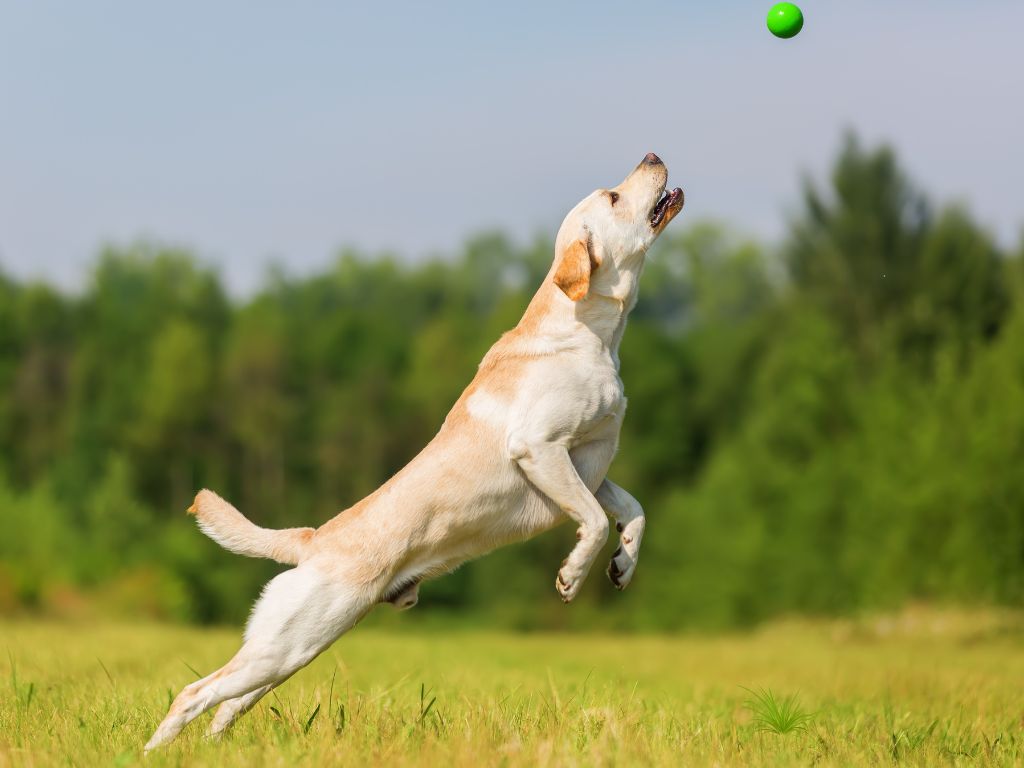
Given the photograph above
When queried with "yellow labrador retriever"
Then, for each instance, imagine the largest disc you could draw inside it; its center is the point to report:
(527, 445)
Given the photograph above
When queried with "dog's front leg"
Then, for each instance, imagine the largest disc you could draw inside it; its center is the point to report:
(549, 467)
(629, 522)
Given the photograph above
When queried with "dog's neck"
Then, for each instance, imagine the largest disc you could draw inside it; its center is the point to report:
(600, 315)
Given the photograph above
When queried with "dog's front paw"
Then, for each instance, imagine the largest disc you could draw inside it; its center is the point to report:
(567, 585)
(621, 569)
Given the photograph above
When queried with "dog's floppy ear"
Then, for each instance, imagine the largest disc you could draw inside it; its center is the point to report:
(575, 264)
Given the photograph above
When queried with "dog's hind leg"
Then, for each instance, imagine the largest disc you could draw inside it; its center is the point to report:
(232, 709)
(300, 613)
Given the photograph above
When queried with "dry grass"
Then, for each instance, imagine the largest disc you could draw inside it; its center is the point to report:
(922, 688)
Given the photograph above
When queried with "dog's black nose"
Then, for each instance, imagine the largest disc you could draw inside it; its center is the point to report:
(652, 159)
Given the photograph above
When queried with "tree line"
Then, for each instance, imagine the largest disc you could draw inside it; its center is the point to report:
(829, 425)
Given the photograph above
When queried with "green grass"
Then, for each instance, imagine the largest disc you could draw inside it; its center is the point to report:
(918, 689)
(778, 715)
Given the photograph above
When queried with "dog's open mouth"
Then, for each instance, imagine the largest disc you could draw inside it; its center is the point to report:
(666, 208)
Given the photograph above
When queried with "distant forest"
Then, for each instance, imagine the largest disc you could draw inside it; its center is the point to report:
(827, 425)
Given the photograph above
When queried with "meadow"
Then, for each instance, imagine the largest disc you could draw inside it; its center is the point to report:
(826, 425)
(917, 688)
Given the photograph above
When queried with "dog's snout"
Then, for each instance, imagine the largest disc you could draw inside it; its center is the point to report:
(652, 159)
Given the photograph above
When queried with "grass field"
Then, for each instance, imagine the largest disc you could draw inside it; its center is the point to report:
(922, 688)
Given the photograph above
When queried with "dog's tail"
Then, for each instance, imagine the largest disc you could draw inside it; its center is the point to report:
(229, 528)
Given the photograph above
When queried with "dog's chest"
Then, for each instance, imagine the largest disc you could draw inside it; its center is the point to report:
(610, 391)
(602, 397)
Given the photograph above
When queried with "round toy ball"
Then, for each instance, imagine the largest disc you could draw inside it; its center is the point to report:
(785, 20)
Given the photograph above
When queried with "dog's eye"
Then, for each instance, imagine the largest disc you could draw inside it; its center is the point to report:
(614, 197)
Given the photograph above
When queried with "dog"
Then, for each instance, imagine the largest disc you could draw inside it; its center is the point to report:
(526, 446)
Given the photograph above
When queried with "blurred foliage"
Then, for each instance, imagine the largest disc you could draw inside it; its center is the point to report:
(831, 426)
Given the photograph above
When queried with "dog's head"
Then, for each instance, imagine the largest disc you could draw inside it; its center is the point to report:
(608, 232)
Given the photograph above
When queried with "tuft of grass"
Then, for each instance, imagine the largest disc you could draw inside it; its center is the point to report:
(773, 714)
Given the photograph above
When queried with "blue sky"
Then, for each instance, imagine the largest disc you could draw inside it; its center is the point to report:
(257, 131)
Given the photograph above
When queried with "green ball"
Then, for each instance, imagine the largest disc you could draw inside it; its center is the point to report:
(785, 20)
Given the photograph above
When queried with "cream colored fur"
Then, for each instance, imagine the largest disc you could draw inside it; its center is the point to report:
(229, 528)
(527, 446)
